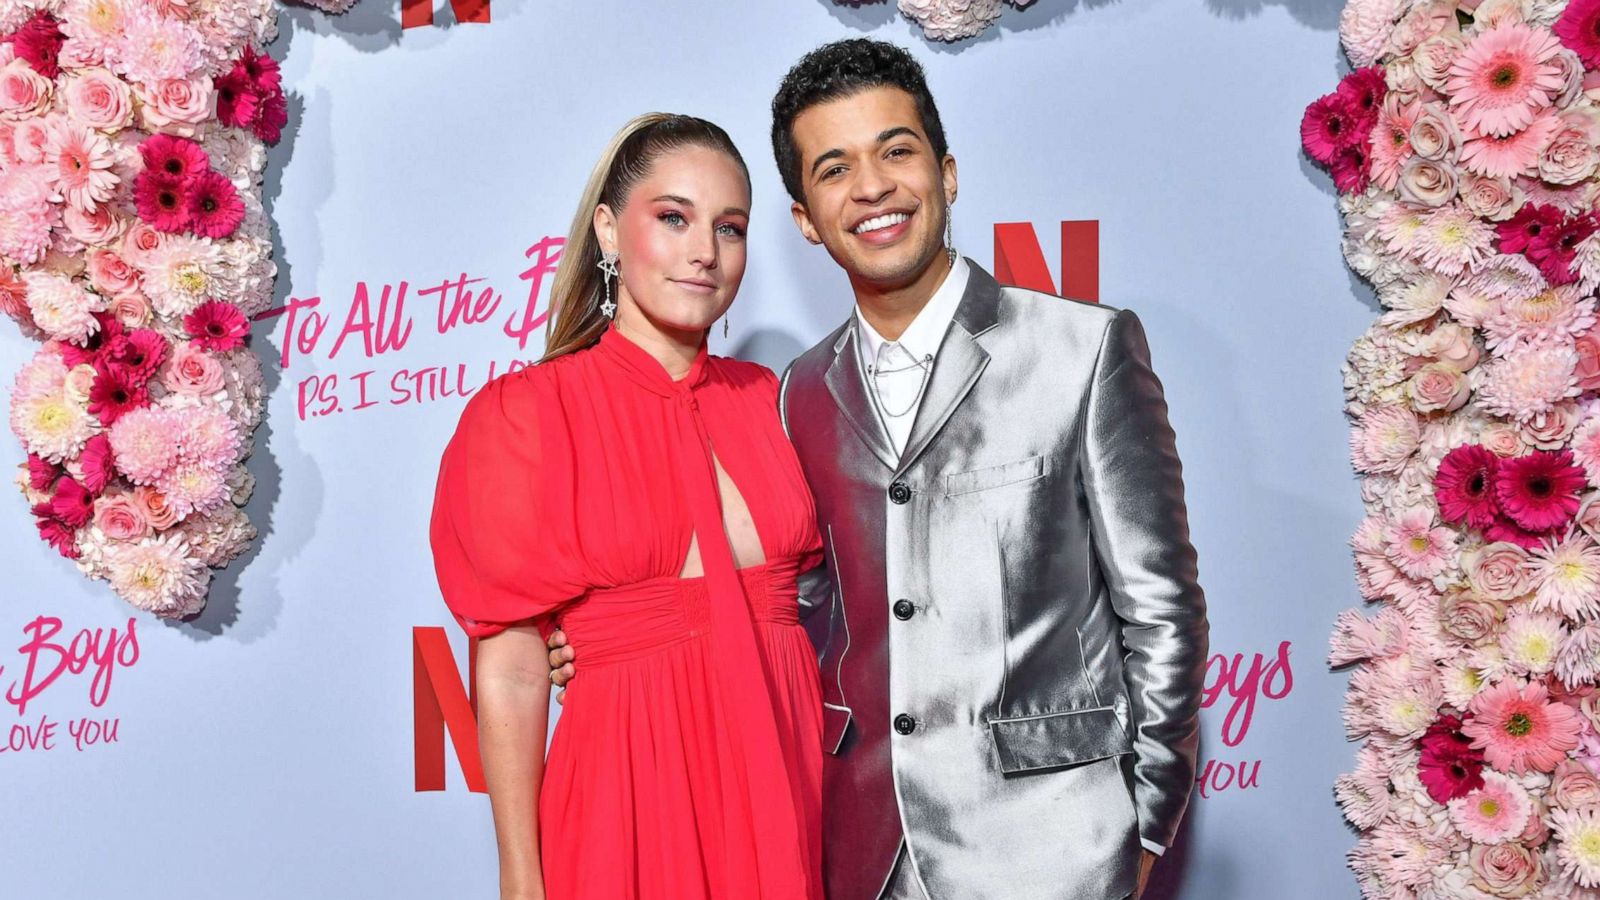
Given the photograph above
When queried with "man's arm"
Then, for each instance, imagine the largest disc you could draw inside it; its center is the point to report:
(1134, 485)
(816, 588)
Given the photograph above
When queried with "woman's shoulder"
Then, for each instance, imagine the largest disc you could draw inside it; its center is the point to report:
(521, 399)
(742, 374)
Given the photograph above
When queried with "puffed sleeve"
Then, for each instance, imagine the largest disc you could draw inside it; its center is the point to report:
(500, 556)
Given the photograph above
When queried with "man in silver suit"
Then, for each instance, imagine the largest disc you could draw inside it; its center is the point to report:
(1016, 640)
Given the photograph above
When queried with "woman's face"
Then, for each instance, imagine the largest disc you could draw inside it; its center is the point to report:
(680, 242)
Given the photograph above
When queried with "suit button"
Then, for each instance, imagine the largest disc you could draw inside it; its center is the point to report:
(900, 492)
(903, 610)
(904, 724)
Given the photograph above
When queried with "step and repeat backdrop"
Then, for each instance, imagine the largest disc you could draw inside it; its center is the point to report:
(307, 733)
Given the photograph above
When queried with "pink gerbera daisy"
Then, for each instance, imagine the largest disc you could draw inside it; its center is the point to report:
(273, 116)
(263, 70)
(163, 201)
(39, 42)
(217, 326)
(72, 503)
(214, 205)
(1494, 813)
(113, 394)
(1519, 232)
(80, 161)
(1579, 29)
(42, 473)
(97, 463)
(174, 156)
(1364, 90)
(1464, 486)
(140, 354)
(55, 532)
(1417, 547)
(1503, 78)
(1350, 168)
(109, 332)
(238, 99)
(1391, 142)
(1510, 155)
(1539, 491)
(1520, 730)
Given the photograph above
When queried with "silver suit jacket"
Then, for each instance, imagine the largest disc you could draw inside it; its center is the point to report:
(1016, 637)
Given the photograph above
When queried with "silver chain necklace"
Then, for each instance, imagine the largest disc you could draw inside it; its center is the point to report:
(925, 364)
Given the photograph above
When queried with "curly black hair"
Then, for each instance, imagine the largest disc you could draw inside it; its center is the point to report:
(841, 69)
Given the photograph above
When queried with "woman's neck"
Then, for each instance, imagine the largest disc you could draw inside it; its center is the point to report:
(674, 350)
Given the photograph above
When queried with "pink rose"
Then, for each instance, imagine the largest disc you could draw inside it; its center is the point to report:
(1588, 369)
(100, 227)
(1571, 77)
(23, 92)
(1573, 785)
(1422, 22)
(1452, 344)
(1498, 571)
(121, 517)
(177, 105)
(1491, 198)
(80, 379)
(1550, 429)
(1570, 156)
(99, 99)
(140, 242)
(131, 309)
(111, 274)
(1434, 57)
(1469, 617)
(1427, 182)
(157, 511)
(29, 140)
(191, 370)
(1434, 134)
(1502, 439)
(1439, 386)
(1506, 870)
(1588, 517)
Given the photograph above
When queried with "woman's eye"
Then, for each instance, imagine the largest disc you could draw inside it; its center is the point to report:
(672, 218)
(730, 229)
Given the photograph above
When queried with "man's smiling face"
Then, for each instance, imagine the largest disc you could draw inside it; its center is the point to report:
(875, 193)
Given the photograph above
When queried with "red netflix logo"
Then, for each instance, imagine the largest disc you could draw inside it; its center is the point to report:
(444, 704)
(420, 12)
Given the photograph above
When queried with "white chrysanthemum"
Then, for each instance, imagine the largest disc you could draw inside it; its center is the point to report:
(1531, 642)
(1453, 240)
(61, 306)
(1384, 438)
(1502, 278)
(151, 47)
(1364, 28)
(1578, 831)
(1551, 315)
(51, 426)
(1460, 683)
(1415, 300)
(1567, 576)
(159, 575)
(1579, 659)
(95, 22)
(185, 272)
(1490, 662)
(219, 537)
(1528, 382)
(1376, 370)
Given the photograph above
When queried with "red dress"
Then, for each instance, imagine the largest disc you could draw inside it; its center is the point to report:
(687, 759)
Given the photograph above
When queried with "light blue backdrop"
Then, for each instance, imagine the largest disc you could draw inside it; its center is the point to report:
(265, 750)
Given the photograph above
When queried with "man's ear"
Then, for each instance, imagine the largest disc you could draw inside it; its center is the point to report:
(605, 228)
(802, 220)
(947, 174)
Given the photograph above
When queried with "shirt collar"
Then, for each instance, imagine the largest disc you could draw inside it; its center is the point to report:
(926, 332)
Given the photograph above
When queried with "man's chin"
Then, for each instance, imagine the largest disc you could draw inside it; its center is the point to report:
(887, 274)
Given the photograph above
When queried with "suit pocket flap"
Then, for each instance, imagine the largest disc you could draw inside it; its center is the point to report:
(835, 722)
(994, 476)
(1059, 739)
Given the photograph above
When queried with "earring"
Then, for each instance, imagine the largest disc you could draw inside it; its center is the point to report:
(608, 266)
(724, 326)
(949, 235)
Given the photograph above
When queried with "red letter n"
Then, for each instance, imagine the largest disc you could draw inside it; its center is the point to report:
(420, 12)
(442, 703)
(1019, 261)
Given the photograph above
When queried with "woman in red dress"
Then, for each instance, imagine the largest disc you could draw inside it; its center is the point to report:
(642, 495)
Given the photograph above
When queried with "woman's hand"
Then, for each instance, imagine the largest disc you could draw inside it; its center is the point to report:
(561, 668)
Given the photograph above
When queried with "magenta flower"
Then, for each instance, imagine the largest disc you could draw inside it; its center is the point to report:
(175, 157)
(217, 326)
(1328, 126)
(42, 473)
(99, 464)
(115, 394)
(1503, 529)
(238, 99)
(139, 354)
(1351, 170)
(1464, 487)
(55, 532)
(1556, 249)
(1449, 767)
(94, 346)
(1363, 91)
(72, 503)
(215, 209)
(1539, 492)
(1579, 29)
(163, 201)
(1519, 232)
(38, 42)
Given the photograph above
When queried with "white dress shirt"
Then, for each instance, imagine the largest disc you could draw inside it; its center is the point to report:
(897, 372)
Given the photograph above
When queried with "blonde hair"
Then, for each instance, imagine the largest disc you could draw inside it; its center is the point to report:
(577, 291)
